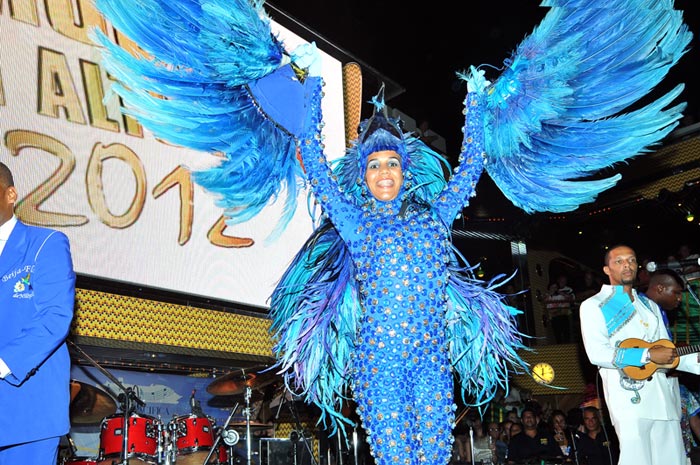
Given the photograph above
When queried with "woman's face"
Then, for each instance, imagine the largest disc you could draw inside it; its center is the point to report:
(559, 422)
(384, 175)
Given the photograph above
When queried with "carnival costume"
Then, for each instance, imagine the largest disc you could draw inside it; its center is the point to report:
(377, 298)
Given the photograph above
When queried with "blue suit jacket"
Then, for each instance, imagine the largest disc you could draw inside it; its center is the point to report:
(37, 295)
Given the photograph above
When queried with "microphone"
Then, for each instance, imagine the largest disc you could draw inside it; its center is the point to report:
(653, 266)
(193, 403)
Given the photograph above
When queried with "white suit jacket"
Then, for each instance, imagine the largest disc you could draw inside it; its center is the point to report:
(659, 398)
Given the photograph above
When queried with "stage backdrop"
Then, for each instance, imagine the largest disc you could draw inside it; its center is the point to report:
(124, 198)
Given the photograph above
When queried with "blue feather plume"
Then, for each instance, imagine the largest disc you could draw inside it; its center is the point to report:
(315, 316)
(192, 84)
(564, 107)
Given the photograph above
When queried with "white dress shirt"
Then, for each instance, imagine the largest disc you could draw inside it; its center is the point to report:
(5, 231)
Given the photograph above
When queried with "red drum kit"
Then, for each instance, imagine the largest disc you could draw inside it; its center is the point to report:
(139, 439)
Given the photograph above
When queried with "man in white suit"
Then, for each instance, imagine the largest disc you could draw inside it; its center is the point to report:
(645, 412)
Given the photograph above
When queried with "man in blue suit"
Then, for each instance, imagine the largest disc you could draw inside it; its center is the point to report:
(37, 294)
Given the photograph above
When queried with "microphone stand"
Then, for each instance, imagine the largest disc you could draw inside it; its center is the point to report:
(128, 399)
(471, 442)
(573, 445)
(689, 288)
(299, 427)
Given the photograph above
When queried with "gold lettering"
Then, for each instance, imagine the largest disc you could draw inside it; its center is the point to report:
(133, 127)
(22, 10)
(56, 87)
(94, 93)
(27, 209)
(180, 176)
(74, 18)
(2, 91)
(96, 195)
(216, 236)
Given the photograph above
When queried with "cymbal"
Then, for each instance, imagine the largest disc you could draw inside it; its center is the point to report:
(89, 404)
(236, 382)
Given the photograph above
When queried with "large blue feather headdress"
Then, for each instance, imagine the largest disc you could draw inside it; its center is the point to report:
(424, 169)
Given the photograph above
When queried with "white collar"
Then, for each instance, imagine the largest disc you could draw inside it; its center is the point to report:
(6, 229)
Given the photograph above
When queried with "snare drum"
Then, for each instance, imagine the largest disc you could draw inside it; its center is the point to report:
(193, 438)
(142, 440)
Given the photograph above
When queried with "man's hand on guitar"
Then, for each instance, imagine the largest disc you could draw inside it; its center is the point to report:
(662, 355)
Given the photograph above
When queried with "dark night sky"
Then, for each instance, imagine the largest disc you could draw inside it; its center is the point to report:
(422, 48)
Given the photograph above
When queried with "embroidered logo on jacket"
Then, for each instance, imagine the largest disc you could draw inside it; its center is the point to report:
(23, 288)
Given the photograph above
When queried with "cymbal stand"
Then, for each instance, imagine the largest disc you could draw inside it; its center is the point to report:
(220, 435)
(294, 438)
(355, 446)
(128, 400)
(246, 411)
(471, 441)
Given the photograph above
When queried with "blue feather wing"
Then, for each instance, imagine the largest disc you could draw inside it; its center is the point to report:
(482, 334)
(315, 313)
(207, 79)
(570, 99)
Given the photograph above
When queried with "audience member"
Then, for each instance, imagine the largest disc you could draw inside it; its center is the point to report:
(690, 272)
(690, 418)
(574, 419)
(597, 445)
(533, 442)
(424, 132)
(460, 447)
(477, 436)
(562, 434)
(513, 416)
(558, 309)
(515, 429)
(589, 286)
(497, 442)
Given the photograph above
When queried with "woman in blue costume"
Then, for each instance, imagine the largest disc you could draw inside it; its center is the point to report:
(377, 305)
(393, 211)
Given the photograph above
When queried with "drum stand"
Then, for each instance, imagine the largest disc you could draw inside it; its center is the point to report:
(227, 436)
(128, 400)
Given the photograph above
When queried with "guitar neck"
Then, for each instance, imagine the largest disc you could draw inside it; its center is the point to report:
(685, 350)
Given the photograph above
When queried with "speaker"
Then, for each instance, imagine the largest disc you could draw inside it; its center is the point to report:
(278, 451)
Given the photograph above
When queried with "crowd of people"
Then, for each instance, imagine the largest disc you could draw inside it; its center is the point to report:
(580, 436)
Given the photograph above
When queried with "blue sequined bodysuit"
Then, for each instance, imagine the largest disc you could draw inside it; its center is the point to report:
(402, 381)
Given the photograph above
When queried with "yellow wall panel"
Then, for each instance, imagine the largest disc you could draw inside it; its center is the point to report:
(132, 319)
